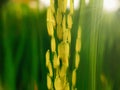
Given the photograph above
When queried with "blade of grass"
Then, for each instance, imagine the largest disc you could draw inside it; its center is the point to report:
(8, 63)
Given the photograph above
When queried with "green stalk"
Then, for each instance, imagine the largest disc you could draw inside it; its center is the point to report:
(34, 47)
(8, 63)
(23, 32)
(96, 10)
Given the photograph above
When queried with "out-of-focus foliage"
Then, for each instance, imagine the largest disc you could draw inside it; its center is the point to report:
(22, 46)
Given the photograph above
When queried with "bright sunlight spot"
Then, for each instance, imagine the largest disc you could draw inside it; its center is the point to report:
(87, 2)
(46, 3)
(76, 4)
(110, 5)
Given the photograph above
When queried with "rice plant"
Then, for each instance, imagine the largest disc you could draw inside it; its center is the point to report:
(59, 47)
(57, 77)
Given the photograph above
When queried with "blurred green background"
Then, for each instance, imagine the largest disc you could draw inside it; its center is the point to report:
(24, 41)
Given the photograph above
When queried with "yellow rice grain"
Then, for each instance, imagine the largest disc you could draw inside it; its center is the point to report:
(50, 69)
(56, 61)
(63, 50)
(50, 22)
(64, 23)
(49, 82)
(71, 6)
(65, 35)
(63, 73)
(74, 77)
(69, 21)
(58, 17)
(78, 45)
(69, 36)
(77, 60)
(49, 13)
(53, 44)
(60, 3)
(58, 84)
(47, 58)
(67, 87)
(59, 32)
(52, 6)
(79, 32)
(53, 21)
(50, 28)
(65, 61)
(64, 5)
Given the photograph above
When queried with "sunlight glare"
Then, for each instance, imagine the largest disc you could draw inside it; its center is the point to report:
(46, 3)
(110, 5)
(87, 2)
(76, 4)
